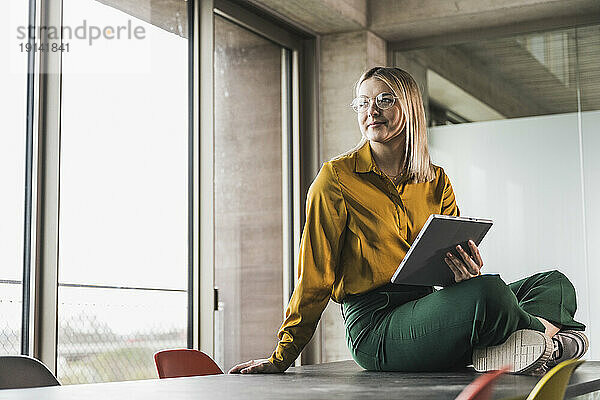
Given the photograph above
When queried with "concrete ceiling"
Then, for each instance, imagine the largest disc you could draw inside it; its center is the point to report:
(455, 99)
(170, 15)
(472, 43)
(409, 20)
(319, 16)
(406, 21)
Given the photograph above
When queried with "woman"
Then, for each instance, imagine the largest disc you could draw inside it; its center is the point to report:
(364, 209)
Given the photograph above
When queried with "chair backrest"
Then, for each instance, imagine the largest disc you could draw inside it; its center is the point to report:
(178, 363)
(553, 385)
(17, 372)
(481, 388)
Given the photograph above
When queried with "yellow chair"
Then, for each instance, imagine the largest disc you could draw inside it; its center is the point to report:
(553, 385)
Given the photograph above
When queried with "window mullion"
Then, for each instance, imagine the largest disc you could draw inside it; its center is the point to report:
(47, 199)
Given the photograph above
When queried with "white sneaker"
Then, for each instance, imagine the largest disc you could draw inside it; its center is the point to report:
(524, 352)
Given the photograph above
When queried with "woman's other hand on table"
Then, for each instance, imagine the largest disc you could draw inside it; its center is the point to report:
(262, 366)
(467, 266)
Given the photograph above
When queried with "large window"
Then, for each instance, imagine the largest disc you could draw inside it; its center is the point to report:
(143, 188)
(13, 81)
(123, 192)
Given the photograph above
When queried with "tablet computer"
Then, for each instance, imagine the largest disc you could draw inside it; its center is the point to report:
(424, 262)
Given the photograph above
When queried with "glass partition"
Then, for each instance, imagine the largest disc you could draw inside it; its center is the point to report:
(518, 76)
(515, 128)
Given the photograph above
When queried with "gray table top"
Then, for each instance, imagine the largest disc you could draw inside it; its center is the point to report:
(343, 379)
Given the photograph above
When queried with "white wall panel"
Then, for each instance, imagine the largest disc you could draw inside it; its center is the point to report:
(525, 174)
(590, 125)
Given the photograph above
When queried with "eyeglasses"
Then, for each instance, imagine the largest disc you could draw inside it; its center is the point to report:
(383, 101)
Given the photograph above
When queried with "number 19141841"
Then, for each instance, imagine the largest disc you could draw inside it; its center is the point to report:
(43, 47)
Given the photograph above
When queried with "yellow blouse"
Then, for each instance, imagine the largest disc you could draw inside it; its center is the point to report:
(358, 228)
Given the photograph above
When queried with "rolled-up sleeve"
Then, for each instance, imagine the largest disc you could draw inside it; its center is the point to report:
(320, 247)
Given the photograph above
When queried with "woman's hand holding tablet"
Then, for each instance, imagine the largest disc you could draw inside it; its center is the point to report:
(466, 267)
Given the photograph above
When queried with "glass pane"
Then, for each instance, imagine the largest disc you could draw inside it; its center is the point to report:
(248, 193)
(538, 224)
(501, 78)
(547, 83)
(123, 205)
(588, 56)
(13, 98)
(588, 63)
(591, 170)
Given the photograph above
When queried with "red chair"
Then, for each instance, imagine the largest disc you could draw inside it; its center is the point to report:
(481, 388)
(184, 362)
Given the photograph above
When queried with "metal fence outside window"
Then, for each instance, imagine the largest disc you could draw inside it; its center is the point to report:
(105, 333)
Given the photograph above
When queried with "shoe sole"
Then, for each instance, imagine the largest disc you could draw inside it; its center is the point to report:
(523, 352)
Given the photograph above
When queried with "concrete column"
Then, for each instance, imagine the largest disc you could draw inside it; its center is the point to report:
(418, 71)
(344, 57)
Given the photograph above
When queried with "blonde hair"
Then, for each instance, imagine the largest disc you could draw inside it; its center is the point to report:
(417, 163)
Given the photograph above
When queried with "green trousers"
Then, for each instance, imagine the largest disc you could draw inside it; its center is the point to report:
(414, 328)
